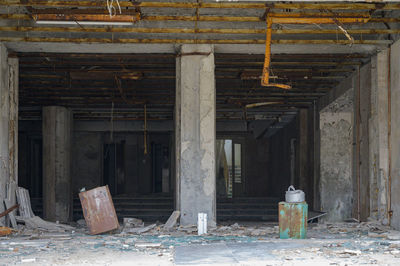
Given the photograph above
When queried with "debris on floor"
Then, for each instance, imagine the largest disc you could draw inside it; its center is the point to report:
(25, 209)
(8, 210)
(98, 210)
(28, 218)
(4, 231)
(172, 220)
(40, 224)
(37, 241)
(138, 230)
(132, 222)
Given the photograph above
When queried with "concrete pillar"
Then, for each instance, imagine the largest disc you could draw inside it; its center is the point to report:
(363, 127)
(195, 133)
(4, 125)
(57, 196)
(394, 146)
(378, 137)
(13, 119)
(8, 127)
(336, 155)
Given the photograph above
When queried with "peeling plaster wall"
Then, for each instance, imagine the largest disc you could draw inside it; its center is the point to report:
(195, 133)
(4, 125)
(378, 137)
(336, 131)
(395, 134)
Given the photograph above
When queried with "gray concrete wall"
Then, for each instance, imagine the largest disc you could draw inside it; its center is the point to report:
(394, 147)
(57, 131)
(87, 170)
(336, 133)
(195, 133)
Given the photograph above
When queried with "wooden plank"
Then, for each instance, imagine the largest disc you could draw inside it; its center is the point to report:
(9, 211)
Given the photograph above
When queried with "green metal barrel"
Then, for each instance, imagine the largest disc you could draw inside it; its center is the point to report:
(293, 220)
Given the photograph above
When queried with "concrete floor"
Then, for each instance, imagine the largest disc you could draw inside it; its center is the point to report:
(336, 244)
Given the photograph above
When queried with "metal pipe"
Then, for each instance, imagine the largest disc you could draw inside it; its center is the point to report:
(267, 60)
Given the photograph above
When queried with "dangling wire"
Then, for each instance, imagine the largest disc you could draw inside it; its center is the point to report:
(111, 8)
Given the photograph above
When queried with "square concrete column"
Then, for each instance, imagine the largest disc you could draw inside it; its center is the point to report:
(8, 127)
(394, 139)
(195, 133)
(57, 196)
(378, 137)
(4, 127)
(4, 123)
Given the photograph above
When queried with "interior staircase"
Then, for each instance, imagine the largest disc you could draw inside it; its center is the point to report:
(159, 207)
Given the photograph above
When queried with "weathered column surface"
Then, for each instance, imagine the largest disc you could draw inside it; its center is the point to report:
(378, 137)
(8, 127)
(4, 125)
(394, 145)
(57, 129)
(336, 133)
(195, 133)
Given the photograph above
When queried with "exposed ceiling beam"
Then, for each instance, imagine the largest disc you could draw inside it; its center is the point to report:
(336, 6)
(194, 31)
(190, 41)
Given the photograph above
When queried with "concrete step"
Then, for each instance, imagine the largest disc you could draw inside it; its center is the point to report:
(159, 208)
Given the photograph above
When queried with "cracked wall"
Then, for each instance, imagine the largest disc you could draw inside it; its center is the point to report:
(336, 129)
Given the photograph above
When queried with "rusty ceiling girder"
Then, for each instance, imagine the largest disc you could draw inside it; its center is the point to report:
(187, 30)
(86, 17)
(314, 6)
(221, 18)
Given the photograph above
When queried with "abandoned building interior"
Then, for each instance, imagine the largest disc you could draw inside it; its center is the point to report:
(212, 107)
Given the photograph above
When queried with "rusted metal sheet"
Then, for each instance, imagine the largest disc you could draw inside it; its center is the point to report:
(293, 220)
(98, 210)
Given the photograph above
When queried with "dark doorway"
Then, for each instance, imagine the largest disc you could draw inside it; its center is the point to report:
(114, 167)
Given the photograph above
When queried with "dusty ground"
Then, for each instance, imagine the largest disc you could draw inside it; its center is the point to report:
(252, 244)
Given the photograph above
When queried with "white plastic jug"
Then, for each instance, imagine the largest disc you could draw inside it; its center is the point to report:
(292, 195)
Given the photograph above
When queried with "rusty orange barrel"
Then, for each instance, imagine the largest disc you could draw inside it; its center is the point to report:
(293, 220)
